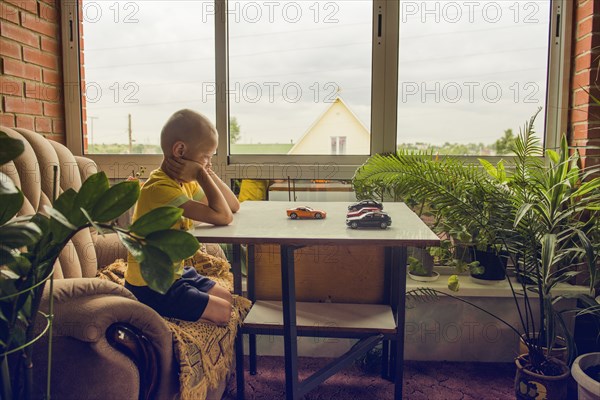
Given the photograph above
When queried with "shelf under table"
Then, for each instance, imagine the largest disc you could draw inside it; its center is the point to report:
(315, 318)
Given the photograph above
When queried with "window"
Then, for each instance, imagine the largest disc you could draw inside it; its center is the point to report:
(471, 73)
(143, 61)
(290, 83)
(291, 63)
(338, 145)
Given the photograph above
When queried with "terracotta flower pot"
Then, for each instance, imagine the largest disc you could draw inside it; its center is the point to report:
(530, 385)
(559, 350)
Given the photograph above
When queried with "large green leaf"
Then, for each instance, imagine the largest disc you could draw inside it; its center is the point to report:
(14, 236)
(132, 245)
(65, 204)
(21, 266)
(178, 245)
(11, 199)
(9, 148)
(116, 200)
(158, 219)
(157, 269)
(5, 255)
(59, 217)
(91, 190)
(493, 171)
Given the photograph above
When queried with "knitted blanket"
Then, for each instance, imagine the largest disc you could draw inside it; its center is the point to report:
(204, 350)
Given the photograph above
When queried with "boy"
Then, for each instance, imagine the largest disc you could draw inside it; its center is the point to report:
(185, 179)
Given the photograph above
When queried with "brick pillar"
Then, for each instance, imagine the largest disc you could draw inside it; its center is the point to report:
(31, 67)
(584, 114)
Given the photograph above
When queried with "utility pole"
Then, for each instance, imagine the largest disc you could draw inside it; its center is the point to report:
(129, 130)
(92, 130)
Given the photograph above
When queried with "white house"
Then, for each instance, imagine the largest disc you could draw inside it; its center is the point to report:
(337, 131)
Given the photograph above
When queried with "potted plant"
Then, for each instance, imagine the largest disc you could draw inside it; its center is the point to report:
(420, 265)
(461, 200)
(30, 246)
(541, 212)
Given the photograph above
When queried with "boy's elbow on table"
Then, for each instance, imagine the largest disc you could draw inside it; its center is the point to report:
(224, 220)
(222, 217)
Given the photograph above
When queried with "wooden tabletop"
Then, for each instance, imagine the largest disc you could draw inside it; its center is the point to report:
(267, 222)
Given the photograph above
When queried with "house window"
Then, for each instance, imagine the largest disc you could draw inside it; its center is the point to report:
(342, 144)
(338, 145)
(279, 78)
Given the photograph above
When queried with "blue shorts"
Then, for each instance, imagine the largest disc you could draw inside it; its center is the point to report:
(186, 299)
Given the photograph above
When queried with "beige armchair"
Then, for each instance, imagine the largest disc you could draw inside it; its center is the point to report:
(106, 345)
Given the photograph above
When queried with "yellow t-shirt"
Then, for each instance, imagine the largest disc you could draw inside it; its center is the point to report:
(158, 191)
(253, 189)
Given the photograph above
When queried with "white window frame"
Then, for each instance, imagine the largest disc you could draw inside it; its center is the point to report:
(384, 101)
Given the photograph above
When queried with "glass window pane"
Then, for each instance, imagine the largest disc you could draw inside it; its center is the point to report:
(141, 62)
(470, 73)
(300, 73)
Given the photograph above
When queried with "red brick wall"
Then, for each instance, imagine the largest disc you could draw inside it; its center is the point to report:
(31, 67)
(584, 115)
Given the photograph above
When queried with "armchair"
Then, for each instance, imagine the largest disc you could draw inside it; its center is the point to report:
(105, 343)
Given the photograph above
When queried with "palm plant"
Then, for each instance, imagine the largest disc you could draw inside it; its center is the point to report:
(544, 212)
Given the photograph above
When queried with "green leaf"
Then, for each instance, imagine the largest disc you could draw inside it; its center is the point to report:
(178, 245)
(91, 221)
(6, 256)
(91, 190)
(21, 266)
(132, 245)
(553, 156)
(11, 199)
(57, 216)
(157, 269)
(489, 168)
(115, 201)
(65, 204)
(14, 236)
(158, 219)
(10, 148)
(587, 187)
(501, 172)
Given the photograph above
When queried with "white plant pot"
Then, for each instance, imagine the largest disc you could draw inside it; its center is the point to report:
(588, 388)
(419, 278)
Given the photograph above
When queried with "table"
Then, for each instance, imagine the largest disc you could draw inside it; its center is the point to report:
(266, 222)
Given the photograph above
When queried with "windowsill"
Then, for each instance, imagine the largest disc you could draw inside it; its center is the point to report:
(468, 288)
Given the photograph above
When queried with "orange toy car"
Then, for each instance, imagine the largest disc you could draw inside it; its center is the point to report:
(305, 212)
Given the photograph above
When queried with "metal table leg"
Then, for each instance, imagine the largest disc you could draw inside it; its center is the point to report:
(288, 294)
(252, 297)
(399, 258)
(239, 338)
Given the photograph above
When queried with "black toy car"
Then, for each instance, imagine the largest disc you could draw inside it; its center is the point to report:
(365, 203)
(371, 219)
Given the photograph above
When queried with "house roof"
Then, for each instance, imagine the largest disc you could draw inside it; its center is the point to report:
(323, 117)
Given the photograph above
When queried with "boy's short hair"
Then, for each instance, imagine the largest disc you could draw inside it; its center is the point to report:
(187, 126)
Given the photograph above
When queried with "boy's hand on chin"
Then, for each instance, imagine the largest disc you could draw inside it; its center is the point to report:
(182, 169)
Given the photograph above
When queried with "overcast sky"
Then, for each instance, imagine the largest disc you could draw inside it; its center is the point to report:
(468, 69)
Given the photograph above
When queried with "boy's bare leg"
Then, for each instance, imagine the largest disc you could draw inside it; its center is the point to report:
(217, 310)
(220, 291)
